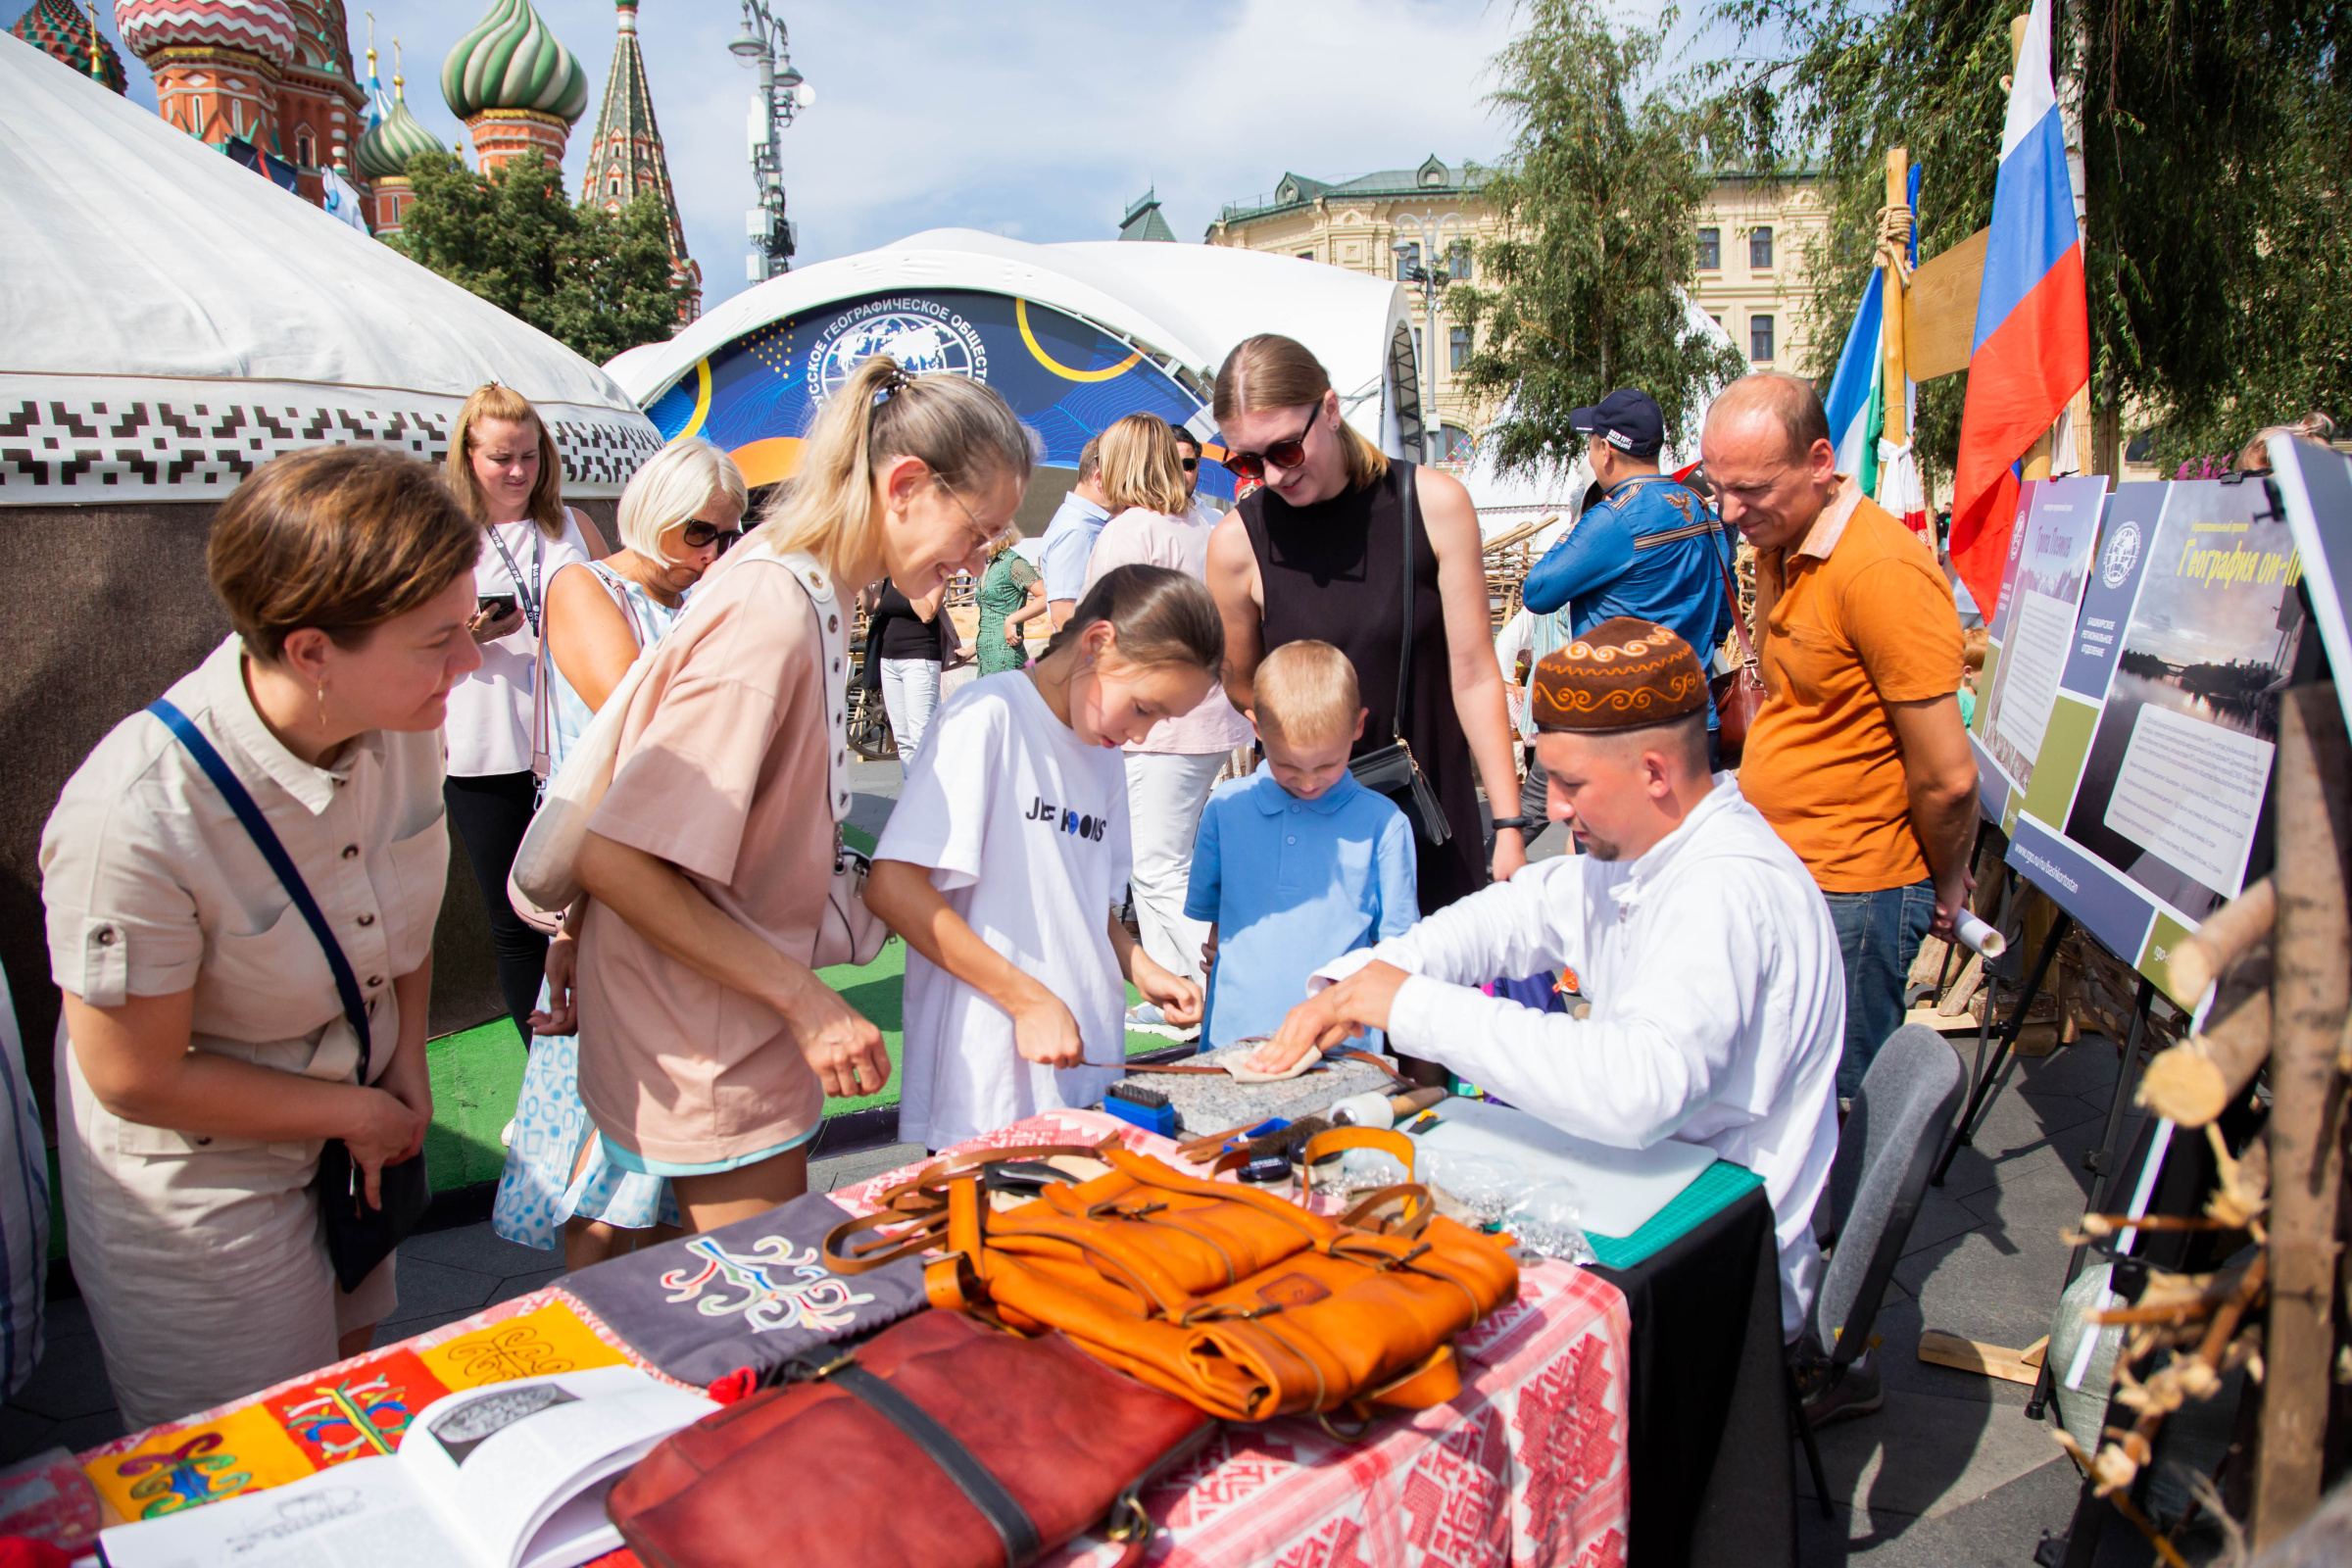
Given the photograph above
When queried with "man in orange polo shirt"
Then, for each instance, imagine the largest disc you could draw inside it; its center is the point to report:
(1859, 759)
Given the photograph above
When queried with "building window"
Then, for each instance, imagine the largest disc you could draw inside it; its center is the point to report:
(1759, 250)
(305, 150)
(1457, 260)
(1759, 338)
(1453, 443)
(1408, 256)
(1459, 350)
(1710, 249)
(1306, 256)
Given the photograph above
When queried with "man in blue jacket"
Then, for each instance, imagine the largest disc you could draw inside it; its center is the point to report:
(1650, 547)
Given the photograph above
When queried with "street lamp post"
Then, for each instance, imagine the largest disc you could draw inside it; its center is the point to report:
(782, 93)
(1431, 275)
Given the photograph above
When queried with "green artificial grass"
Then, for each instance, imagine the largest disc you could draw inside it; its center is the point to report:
(477, 1074)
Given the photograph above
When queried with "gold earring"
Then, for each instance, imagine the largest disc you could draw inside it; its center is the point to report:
(323, 702)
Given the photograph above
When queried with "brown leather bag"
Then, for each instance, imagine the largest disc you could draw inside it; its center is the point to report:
(1241, 1302)
(941, 1443)
(1739, 694)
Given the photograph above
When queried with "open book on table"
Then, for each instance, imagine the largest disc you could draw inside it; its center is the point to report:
(509, 1475)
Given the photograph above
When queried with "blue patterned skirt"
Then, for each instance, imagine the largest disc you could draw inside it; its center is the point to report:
(546, 1182)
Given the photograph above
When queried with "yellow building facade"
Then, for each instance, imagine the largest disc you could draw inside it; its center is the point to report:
(1752, 236)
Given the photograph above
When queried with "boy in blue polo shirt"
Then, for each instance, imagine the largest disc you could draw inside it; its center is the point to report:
(1296, 863)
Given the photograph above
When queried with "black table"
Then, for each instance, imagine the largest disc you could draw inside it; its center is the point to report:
(1711, 1477)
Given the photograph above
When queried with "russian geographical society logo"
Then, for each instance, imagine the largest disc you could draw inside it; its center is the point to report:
(2121, 555)
(923, 335)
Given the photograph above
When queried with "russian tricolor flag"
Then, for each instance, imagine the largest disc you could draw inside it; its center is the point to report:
(2033, 341)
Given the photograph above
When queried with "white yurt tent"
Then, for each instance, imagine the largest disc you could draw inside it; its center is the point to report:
(1075, 336)
(170, 322)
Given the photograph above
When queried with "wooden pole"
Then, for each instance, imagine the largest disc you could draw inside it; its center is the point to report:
(1890, 313)
(2311, 993)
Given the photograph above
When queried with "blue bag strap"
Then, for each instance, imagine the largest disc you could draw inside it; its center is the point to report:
(265, 839)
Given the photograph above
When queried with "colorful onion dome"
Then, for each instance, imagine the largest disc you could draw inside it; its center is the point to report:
(512, 61)
(385, 148)
(263, 28)
(61, 29)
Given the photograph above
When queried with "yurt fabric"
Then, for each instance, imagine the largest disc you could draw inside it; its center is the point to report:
(1075, 337)
(171, 322)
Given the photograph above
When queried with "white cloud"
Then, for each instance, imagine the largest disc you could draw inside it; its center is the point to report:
(1041, 118)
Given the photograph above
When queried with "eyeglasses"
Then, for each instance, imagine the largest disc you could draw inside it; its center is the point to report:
(986, 539)
(700, 534)
(1281, 454)
(1189, 464)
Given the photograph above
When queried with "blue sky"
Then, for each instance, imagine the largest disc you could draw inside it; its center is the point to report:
(1037, 119)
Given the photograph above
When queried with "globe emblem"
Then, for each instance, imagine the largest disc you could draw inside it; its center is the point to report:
(921, 345)
(2121, 555)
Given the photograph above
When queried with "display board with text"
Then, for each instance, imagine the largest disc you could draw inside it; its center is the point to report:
(2033, 627)
(2146, 798)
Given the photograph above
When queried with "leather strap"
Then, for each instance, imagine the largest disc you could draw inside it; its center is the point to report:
(999, 1507)
(1409, 504)
(1731, 594)
(1339, 1140)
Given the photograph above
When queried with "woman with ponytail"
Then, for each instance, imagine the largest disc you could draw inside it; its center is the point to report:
(707, 1044)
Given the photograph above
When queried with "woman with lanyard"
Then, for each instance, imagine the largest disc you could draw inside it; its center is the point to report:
(504, 470)
(225, 1017)
(679, 514)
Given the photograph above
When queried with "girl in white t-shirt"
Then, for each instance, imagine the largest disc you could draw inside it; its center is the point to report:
(1007, 851)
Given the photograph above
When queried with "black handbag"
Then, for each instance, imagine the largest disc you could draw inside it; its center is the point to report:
(1390, 769)
(358, 1237)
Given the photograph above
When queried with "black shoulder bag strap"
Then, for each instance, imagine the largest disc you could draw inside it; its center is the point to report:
(265, 839)
(358, 1237)
(1409, 498)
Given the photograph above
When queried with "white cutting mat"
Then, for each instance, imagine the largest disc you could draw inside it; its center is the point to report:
(1621, 1187)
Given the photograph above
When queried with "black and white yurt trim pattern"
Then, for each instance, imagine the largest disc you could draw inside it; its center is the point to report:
(182, 441)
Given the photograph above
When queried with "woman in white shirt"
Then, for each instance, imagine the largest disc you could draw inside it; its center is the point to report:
(1169, 771)
(504, 470)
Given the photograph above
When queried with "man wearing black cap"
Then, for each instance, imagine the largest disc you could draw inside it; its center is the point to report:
(1650, 547)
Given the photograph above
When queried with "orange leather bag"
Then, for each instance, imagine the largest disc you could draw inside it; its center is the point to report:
(1244, 1303)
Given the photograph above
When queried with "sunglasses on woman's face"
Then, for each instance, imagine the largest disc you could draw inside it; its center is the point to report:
(1281, 454)
(700, 534)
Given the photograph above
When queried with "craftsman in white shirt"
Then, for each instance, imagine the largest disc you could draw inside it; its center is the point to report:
(1718, 1002)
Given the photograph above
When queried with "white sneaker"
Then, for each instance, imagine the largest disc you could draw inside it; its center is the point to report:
(506, 1136)
(1146, 1018)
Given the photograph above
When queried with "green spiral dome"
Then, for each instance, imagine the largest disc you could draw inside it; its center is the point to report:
(512, 61)
(386, 148)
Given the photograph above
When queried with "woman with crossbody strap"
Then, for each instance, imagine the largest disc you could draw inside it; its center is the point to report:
(678, 516)
(208, 1053)
(707, 1043)
(504, 468)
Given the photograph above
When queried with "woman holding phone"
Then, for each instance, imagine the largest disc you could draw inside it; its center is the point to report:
(207, 1052)
(504, 470)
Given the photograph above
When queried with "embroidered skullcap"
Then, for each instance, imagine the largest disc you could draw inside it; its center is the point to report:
(1625, 673)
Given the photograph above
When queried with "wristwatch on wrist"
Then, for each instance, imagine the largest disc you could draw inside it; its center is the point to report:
(1522, 823)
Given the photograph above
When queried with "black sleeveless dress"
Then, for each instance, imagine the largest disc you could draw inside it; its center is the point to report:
(1333, 572)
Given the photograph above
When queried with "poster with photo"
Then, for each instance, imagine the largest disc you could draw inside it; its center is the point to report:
(2033, 628)
(2144, 807)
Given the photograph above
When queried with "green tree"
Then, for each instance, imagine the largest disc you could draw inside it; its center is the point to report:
(598, 282)
(1584, 289)
(2217, 139)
